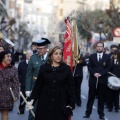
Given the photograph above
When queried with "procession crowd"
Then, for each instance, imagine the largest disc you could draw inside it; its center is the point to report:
(46, 84)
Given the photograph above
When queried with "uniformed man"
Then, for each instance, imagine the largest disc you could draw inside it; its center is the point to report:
(34, 64)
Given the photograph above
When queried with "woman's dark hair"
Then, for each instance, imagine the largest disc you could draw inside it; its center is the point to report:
(3, 53)
(52, 50)
(116, 52)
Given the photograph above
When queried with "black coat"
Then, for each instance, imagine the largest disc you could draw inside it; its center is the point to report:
(54, 89)
(22, 69)
(78, 71)
(115, 68)
(101, 67)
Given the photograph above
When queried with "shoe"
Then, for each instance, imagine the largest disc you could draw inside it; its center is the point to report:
(105, 106)
(86, 116)
(109, 110)
(21, 113)
(78, 104)
(101, 118)
(117, 110)
(11, 109)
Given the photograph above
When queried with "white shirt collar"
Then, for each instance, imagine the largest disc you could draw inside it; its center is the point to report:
(45, 55)
(115, 60)
(101, 54)
(27, 61)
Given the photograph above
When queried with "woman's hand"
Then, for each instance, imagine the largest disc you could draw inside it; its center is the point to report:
(15, 99)
(68, 111)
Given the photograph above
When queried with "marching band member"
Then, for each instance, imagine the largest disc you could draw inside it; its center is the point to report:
(8, 79)
(78, 77)
(113, 48)
(113, 99)
(98, 66)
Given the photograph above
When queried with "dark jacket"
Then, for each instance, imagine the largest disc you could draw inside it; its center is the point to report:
(101, 67)
(115, 69)
(22, 70)
(78, 71)
(54, 89)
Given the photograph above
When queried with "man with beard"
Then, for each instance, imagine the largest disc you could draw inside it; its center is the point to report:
(99, 65)
(113, 48)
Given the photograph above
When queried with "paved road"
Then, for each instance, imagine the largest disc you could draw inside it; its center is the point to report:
(78, 112)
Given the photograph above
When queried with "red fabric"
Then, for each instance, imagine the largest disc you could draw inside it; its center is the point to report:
(2, 66)
(69, 118)
(67, 51)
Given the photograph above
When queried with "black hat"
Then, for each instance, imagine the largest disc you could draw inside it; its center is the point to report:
(114, 46)
(43, 42)
(34, 43)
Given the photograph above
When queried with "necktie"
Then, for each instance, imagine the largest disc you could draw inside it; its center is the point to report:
(116, 62)
(99, 57)
(42, 58)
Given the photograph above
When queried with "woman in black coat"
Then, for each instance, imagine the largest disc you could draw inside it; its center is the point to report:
(54, 89)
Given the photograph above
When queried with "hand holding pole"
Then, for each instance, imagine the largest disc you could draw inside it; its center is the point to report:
(14, 99)
(26, 103)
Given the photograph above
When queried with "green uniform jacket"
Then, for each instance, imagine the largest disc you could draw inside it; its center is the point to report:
(32, 71)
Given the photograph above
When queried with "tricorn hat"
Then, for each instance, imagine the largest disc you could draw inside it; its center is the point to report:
(43, 42)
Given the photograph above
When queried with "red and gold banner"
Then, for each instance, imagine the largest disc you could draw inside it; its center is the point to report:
(67, 51)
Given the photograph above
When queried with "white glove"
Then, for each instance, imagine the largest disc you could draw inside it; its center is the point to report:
(29, 105)
(28, 93)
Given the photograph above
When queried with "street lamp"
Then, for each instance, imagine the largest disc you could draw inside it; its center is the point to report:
(100, 26)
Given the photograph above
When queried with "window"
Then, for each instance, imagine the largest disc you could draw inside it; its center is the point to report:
(61, 12)
(61, 1)
(12, 4)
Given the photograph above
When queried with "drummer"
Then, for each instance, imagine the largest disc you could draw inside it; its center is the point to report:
(114, 94)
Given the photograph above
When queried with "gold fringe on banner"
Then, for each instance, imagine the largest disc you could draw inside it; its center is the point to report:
(75, 41)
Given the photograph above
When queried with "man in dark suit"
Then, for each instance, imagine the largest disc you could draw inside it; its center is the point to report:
(22, 70)
(99, 65)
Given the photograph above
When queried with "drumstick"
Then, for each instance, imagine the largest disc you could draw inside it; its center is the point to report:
(97, 83)
(14, 99)
(26, 103)
(112, 74)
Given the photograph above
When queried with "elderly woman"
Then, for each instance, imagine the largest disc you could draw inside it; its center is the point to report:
(8, 79)
(54, 89)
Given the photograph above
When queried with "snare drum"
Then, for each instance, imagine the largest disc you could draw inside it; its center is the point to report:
(113, 83)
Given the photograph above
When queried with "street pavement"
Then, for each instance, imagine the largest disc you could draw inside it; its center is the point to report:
(79, 112)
